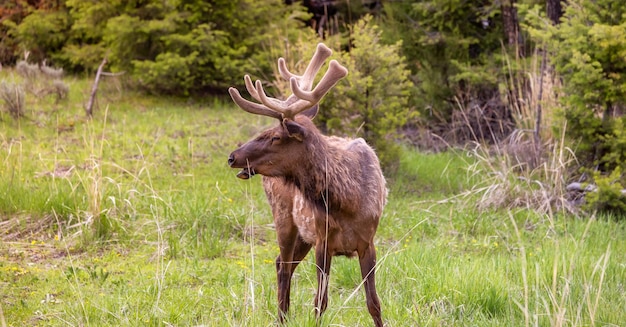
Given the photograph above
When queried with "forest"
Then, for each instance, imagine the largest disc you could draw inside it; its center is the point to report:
(499, 125)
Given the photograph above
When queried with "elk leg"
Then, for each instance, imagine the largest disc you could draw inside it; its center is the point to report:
(284, 281)
(301, 250)
(367, 260)
(290, 256)
(322, 261)
(283, 274)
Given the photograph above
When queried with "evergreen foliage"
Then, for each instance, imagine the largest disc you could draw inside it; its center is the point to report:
(372, 102)
(42, 33)
(12, 14)
(174, 46)
(449, 46)
(588, 49)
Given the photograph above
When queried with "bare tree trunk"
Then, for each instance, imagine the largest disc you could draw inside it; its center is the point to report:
(511, 25)
(537, 132)
(554, 10)
(94, 89)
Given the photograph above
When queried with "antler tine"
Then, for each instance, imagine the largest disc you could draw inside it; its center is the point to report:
(287, 108)
(250, 87)
(334, 73)
(317, 61)
(251, 107)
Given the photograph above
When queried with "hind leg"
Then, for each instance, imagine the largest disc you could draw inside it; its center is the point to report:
(322, 261)
(367, 261)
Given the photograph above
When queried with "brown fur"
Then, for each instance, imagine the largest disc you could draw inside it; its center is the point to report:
(325, 192)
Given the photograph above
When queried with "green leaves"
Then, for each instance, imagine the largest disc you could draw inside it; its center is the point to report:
(171, 46)
(373, 100)
(588, 50)
(167, 71)
(41, 33)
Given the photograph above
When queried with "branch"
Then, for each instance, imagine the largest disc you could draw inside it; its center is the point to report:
(112, 74)
(94, 88)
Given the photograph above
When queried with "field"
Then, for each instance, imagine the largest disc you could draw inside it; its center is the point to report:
(133, 218)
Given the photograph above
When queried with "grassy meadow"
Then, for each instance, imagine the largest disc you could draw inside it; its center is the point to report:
(133, 218)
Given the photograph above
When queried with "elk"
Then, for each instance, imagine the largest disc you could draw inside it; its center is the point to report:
(325, 192)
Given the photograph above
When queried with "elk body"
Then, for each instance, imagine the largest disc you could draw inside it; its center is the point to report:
(326, 192)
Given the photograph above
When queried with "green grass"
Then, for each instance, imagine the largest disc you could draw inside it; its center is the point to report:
(134, 219)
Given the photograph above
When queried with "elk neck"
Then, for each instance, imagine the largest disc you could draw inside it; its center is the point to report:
(328, 175)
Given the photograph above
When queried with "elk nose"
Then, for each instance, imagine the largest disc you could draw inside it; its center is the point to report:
(231, 159)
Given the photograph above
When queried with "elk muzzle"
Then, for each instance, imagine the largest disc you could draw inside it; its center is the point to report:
(245, 173)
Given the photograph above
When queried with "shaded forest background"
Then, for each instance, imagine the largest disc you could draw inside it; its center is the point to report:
(529, 76)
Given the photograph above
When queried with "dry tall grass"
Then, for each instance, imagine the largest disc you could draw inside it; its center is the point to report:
(530, 168)
(13, 96)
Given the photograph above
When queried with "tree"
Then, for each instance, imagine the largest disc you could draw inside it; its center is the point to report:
(191, 46)
(373, 101)
(587, 49)
(511, 26)
(454, 49)
(12, 13)
(40, 33)
(166, 46)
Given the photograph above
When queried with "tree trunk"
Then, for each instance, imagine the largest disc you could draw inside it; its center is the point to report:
(511, 26)
(554, 10)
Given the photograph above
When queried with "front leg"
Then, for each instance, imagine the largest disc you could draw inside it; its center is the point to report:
(286, 264)
(322, 261)
(287, 240)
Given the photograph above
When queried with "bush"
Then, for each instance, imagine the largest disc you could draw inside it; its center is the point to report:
(60, 89)
(372, 101)
(198, 46)
(42, 81)
(27, 71)
(13, 96)
(451, 47)
(51, 72)
(42, 33)
(587, 49)
(609, 196)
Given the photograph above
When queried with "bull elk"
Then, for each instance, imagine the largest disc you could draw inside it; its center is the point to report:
(325, 192)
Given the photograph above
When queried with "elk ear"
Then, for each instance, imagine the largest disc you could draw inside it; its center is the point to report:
(311, 112)
(294, 129)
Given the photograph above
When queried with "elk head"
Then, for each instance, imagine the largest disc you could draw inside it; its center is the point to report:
(272, 152)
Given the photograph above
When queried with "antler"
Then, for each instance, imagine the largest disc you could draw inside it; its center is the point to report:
(302, 98)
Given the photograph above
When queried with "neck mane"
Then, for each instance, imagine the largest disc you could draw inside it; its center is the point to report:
(329, 175)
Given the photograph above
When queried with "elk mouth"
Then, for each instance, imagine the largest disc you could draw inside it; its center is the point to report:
(246, 173)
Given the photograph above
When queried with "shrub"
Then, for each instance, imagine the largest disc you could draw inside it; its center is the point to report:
(42, 32)
(587, 49)
(199, 46)
(26, 70)
(42, 81)
(60, 89)
(51, 72)
(452, 48)
(608, 195)
(13, 96)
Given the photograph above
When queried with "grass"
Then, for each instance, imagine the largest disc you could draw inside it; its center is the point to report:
(134, 219)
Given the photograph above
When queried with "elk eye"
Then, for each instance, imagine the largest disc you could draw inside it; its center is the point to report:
(275, 139)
